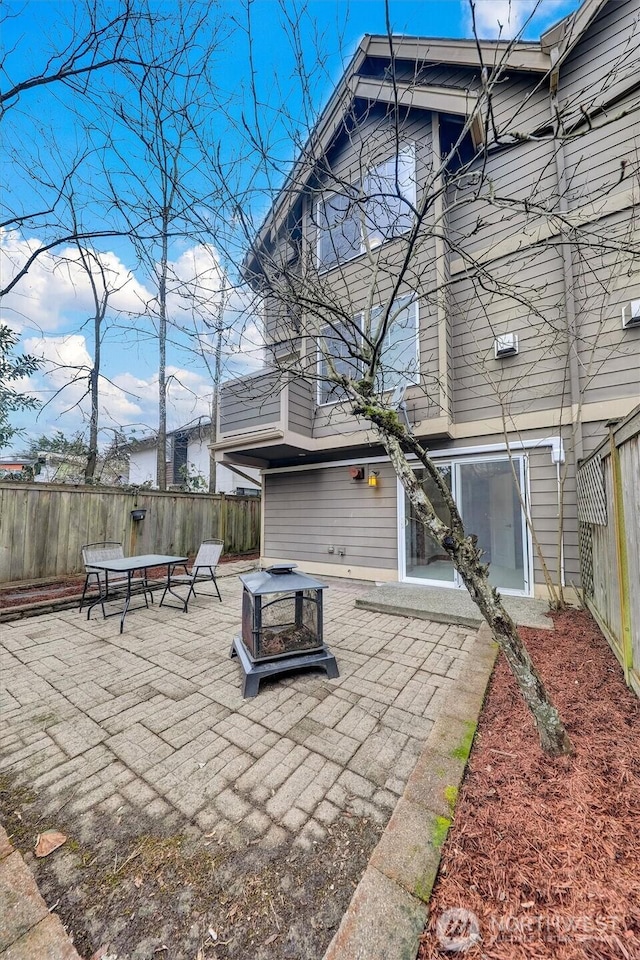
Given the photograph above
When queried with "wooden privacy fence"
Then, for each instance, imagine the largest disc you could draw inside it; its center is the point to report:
(43, 527)
(609, 520)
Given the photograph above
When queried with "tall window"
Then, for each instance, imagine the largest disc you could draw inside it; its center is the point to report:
(375, 211)
(342, 344)
(400, 360)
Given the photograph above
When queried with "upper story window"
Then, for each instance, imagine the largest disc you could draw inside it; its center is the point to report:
(341, 344)
(373, 211)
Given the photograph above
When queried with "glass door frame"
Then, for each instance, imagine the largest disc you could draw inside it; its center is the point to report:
(521, 462)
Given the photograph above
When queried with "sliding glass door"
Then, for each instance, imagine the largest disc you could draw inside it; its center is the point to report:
(489, 502)
(426, 560)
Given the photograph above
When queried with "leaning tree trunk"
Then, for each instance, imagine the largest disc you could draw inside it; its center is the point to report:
(467, 560)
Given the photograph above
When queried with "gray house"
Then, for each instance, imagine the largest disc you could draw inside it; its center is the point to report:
(517, 313)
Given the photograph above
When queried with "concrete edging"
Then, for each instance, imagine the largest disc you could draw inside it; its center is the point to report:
(389, 908)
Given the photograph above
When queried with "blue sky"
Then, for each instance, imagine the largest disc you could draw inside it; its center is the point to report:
(52, 305)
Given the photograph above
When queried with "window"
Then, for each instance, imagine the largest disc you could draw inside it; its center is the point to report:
(400, 353)
(341, 342)
(377, 210)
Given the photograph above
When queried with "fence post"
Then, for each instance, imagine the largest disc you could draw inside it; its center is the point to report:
(223, 521)
(621, 556)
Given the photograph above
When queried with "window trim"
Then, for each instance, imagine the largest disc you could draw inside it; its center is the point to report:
(408, 147)
(414, 303)
(319, 401)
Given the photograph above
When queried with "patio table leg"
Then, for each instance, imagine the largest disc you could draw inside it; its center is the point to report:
(101, 596)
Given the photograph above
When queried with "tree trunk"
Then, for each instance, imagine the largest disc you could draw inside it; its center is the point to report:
(94, 383)
(92, 456)
(215, 400)
(162, 357)
(467, 560)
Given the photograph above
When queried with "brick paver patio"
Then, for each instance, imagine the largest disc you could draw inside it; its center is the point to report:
(95, 722)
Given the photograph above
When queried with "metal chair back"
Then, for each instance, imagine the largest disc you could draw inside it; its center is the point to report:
(100, 551)
(209, 554)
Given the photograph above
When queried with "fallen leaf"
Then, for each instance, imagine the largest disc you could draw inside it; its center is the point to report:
(49, 841)
(212, 933)
(137, 882)
(529, 903)
(274, 936)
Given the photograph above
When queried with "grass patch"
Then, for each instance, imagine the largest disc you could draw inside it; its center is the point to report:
(462, 751)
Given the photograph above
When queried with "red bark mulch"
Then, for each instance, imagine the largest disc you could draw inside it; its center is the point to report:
(67, 587)
(546, 852)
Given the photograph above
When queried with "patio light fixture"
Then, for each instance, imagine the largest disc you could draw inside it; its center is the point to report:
(138, 513)
(374, 476)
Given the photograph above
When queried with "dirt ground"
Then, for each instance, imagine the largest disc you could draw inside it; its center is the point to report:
(546, 853)
(140, 895)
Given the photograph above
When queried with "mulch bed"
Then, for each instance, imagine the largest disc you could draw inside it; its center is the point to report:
(68, 587)
(546, 852)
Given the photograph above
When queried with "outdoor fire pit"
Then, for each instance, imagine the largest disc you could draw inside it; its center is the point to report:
(281, 626)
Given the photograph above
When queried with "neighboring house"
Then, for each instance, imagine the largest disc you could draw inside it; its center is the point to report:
(16, 468)
(188, 463)
(471, 356)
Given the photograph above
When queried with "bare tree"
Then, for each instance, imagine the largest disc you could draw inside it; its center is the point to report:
(370, 222)
(93, 44)
(157, 147)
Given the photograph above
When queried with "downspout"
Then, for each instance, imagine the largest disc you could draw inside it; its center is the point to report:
(570, 308)
(444, 396)
(568, 273)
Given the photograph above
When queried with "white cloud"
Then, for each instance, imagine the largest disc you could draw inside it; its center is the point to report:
(56, 296)
(506, 19)
(57, 285)
(64, 384)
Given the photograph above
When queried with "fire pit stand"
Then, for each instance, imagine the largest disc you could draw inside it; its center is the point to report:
(281, 626)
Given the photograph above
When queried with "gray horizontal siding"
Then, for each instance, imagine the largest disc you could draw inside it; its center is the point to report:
(604, 161)
(535, 378)
(301, 407)
(305, 512)
(604, 59)
(499, 210)
(519, 104)
(607, 276)
(252, 402)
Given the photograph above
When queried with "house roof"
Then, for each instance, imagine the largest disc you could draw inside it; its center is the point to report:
(146, 443)
(527, 57)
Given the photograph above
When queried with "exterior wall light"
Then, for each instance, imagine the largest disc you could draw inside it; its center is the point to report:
(356, 473)
(138, 514)
(374, 477)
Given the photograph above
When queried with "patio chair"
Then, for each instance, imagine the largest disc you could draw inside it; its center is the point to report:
(107, 550)
(203, 569)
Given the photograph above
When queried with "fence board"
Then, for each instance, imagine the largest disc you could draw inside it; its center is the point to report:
(43, 526)
(610, 553)
(630, 474)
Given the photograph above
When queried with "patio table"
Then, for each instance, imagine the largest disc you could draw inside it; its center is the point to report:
(129, 565)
